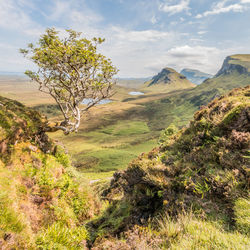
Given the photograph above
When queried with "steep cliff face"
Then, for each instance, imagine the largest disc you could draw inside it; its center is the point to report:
(195, 76)
(168, 80)
(235, 63)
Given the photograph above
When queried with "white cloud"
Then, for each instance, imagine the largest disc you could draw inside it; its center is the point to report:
(134, 51)
(202, 32)
(11, 16)
(140, 36)
(153, 20)
(204, 58)
(222, 7)
(137, 53)
(183, 5)
(59, 9)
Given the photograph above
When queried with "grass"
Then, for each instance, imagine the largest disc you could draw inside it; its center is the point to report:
(100, 152)
(190, 232)
(114, 134)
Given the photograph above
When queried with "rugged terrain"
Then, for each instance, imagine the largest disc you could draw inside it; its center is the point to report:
(190, 192)
(167, 80)
(43, 200)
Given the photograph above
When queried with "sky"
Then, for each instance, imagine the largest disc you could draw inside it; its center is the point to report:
(142, 36)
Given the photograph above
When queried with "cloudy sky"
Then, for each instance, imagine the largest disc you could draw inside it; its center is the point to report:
(142, 36)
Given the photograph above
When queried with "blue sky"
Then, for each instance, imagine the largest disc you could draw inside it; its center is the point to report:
(142, 36)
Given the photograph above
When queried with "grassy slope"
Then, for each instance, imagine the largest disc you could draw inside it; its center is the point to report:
(43, 201)
(195, 185)
(178, 109)
(241, 59)
(101, 148)
(175, 82)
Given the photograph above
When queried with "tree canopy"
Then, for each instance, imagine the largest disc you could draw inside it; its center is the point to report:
(70, 69)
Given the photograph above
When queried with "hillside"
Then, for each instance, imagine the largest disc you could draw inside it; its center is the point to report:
(167, 80)
(195, 76)
(193, 187)
(43, 201)
(179, 107)
(235, 64)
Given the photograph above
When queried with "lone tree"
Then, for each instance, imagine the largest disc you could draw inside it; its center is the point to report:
(70, 70)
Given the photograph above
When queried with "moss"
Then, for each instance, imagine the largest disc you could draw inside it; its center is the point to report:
(232, 114)
(43, 202)
(200, 167)
(242, 215)
(59, 236)
(62, 157)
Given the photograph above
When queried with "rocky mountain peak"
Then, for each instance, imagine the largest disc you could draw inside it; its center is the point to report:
(235, 63)
(165, 76)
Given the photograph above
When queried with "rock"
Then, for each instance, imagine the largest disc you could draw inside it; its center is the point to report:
(33, 148)
(37, 199)
(3, 147)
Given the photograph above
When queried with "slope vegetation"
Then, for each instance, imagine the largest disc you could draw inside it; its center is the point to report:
(167, 80)
(194, 185)
(179, 107)
(43, 202)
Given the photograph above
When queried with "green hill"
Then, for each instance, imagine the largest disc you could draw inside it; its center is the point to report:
(167, 80)
(43, 201)
(179, 107)
(191, 192)
(235, 63)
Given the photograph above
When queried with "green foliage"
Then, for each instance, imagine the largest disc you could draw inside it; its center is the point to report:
(202, 168)
(43, 202)
(59, 236)
(10, 220)
(201, 189)
(62, 157)
(242, 215)
(70, 69)
(167, 133)
(232, 114)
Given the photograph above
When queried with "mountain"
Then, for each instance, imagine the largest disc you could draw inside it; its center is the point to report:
(236, 63)
(191, 192)
(195, 76)
(131, 82)
(168, 80)
(178, 107)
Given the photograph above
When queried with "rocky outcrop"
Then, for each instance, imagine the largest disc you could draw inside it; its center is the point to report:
(231, 64)
(191, 167)
(167, 80)
(165, 76)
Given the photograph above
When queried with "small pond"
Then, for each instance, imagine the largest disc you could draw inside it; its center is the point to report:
(136, 93)
(87, 101)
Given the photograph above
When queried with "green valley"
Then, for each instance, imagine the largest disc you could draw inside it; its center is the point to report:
(107, 192)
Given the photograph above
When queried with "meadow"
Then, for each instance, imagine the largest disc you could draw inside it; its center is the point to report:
(113, 134)
(110, 135)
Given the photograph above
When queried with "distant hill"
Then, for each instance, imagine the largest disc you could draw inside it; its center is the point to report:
(195, 76)
(235, 64)
(9, 73)
(131, 82)
(168, 80)
(179, 107)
